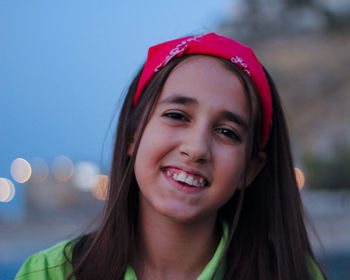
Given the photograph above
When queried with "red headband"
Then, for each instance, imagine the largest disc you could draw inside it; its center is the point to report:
(215, 45)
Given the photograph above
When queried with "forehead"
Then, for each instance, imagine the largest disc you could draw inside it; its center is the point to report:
(210, 82)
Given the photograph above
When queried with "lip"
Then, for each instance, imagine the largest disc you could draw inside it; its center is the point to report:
(189, 170)
(182, 187)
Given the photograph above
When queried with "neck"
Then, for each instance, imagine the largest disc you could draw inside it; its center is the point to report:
(168, 249)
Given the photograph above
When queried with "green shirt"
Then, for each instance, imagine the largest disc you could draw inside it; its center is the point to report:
(51, 264)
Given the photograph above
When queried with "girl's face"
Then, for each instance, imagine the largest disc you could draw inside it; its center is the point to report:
(191, 155)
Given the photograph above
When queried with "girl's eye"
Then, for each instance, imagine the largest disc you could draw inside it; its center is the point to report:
(176, 116)
(229, 134)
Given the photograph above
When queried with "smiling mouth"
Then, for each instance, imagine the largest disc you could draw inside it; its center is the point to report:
(186, 178)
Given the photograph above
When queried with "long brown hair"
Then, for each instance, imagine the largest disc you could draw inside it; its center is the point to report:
(267, 237)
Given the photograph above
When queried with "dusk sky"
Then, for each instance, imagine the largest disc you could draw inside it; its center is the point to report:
(64, 65)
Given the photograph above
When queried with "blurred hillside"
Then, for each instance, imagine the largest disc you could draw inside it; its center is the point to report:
(305, 45)
(312, 72)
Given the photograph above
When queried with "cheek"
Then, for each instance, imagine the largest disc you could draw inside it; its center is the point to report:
(155, 143)
(229, 171)
(153, 147)
(231, 161)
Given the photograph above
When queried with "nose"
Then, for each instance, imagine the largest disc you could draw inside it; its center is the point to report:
(196, 144)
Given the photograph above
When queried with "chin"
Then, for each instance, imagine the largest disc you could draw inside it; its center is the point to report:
(185, 215)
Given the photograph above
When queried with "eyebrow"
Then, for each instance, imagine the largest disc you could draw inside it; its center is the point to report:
(226, 115)
(179, 99)
(232, 117)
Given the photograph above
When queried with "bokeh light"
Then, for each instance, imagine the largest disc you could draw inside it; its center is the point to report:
(40, 170)
(100, 189)
(85, 175)
(21, 170)
(7, 190)
(62, 168)
(300, 177)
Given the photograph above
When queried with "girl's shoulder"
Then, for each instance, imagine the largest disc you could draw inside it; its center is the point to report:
(314, 269)
(48, 264)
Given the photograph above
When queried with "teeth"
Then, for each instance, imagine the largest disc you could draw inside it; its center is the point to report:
(189, 180)
(182, 177)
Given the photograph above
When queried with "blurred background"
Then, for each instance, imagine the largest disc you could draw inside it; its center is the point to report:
(65, 66)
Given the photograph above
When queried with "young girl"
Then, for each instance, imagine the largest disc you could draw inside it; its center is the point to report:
(202, 184)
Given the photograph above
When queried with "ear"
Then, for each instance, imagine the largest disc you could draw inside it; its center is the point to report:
(254, 167)
(131, 148)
